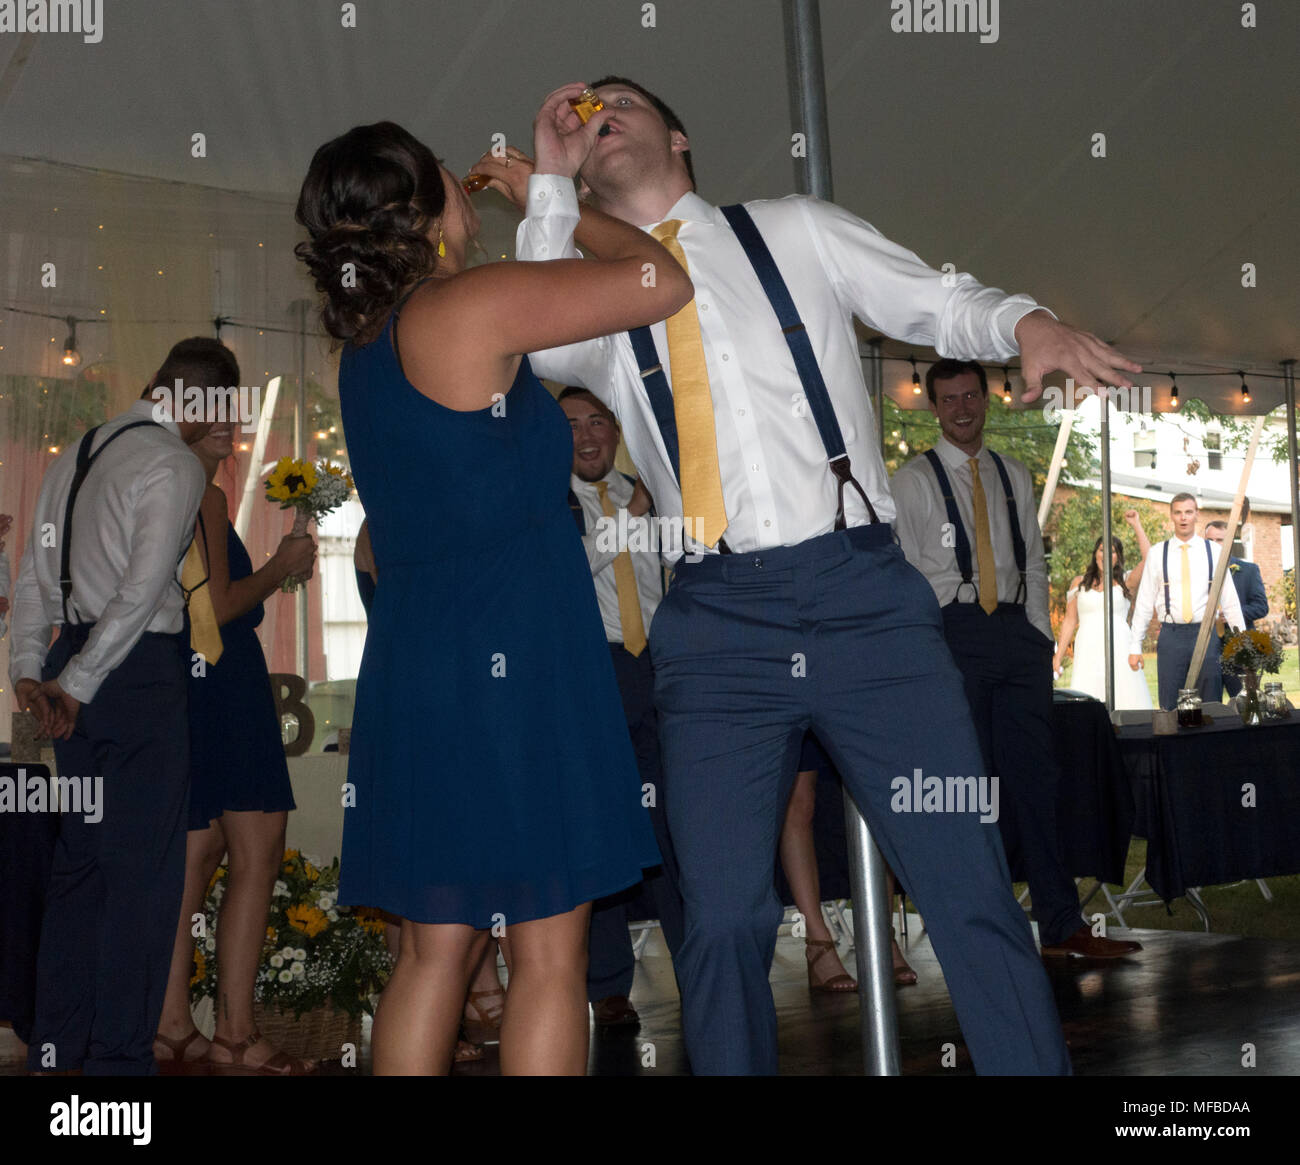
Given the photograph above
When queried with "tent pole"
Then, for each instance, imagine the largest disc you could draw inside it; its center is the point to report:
(300, 452)
(1107, 599)
(1288, 370)
(878, 388)
(867, 870)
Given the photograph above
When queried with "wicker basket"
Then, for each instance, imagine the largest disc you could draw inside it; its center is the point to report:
(318, 1034)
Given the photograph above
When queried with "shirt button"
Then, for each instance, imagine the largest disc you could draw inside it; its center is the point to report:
(754, 468)
(704, 307)
(545, 248)
(725, 356)
(767, 521)
(740, 412)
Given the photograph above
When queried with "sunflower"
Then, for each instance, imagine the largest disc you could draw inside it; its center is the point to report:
(308, 919)
(200, 967)
(290, 479)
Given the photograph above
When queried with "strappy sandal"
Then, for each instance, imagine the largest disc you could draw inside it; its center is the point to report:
(840, 984)
(904, 976)
(485, 1028)
(280, 1064)
(467, 1052)
(176, 1064)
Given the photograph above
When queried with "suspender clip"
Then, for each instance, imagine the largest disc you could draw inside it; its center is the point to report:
(794, 328)
(650, 371)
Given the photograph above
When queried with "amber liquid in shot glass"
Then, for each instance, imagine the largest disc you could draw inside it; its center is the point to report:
(585, 104)
(473, 183)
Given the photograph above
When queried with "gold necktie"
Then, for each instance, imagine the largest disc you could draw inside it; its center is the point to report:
(205, 635)
(1187, 586)
(702, 504)
(629, 604)
(988, 584)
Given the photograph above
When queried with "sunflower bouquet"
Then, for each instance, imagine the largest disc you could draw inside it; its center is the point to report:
(314, 490)
(1247, 652)
(315, 950)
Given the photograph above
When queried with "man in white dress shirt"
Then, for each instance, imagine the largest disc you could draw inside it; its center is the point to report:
(801, 612)
(629, 585)
(968, 522)
(1175, 588)
(112, 692)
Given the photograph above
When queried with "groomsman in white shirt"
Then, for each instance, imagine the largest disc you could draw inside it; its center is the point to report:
(111, 691)
(1175, 588)
(968, 522)
(749, 418)
(629, 588)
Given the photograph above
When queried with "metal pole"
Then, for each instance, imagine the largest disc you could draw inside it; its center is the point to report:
(867, 869)
(1288, 370)
(1107, 599)
(877, 366)
(300, 452)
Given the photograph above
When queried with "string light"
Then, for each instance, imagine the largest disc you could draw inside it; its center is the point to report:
(1006, 384)
(1245, 392)
(916, 377)
(1173, 390)
(71, 357)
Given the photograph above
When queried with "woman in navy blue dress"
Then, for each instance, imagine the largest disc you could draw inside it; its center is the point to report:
(239, 793)
(493, 781)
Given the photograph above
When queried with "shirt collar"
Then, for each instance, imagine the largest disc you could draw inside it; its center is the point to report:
(143, 410)
(690, 208)
(953, 457)
(612, 478)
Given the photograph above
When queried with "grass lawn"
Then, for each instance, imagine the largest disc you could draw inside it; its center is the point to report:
(1290, 674)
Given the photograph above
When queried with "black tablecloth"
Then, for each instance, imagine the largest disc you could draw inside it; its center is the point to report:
(1094, 805)
(1191, 792)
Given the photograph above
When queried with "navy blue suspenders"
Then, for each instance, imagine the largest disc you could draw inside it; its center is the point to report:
(962, 548)
(796, 338)
(85, 459)
(1209, 560)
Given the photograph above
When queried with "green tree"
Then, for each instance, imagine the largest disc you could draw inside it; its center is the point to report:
(1020, 433)
(1074, 526)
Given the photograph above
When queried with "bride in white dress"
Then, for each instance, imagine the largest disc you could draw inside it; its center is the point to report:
(1085, 614)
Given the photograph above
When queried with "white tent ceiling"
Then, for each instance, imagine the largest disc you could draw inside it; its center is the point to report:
(970, 153)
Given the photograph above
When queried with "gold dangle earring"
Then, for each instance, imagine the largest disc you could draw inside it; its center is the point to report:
(442, 247)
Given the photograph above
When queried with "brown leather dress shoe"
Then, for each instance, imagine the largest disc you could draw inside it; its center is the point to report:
(1083, 944)
(615, 1011)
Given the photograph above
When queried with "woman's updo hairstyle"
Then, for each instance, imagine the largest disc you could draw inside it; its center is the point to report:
(368, 200)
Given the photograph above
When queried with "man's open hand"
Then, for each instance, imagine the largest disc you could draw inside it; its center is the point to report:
(1047, 344)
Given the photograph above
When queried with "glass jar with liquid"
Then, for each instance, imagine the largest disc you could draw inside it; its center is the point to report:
(1189, 708)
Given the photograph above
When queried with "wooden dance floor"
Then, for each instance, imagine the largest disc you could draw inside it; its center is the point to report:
(1183, 1007)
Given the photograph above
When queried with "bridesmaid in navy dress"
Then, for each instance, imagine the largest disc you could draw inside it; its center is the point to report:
(494, 781)
(239, 793)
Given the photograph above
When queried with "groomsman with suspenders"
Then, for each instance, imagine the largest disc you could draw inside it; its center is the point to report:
(1175, 587)
(1248, 583)
(747, 414)
(120, 506)
(966, 520)
(629, 587)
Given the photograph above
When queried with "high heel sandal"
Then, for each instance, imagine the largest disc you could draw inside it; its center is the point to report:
(840, 984)
(280, 1064)
(904, 976)
(176, 1064)
(485, 1027)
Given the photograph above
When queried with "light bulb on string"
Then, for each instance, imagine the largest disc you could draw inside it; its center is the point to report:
(916, 378)
(1006, 384)
(1245, 391)
(1173, 390)
(71, 357)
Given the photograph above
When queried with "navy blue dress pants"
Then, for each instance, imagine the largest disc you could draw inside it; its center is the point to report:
(1006, 663)
(115, 884)
(610, 961)
(1174, 647)
(841, 635)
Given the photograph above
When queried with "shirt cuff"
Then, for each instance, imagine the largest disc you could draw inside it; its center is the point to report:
(25, 667)
(551, 194)
(77, 683)
(1012, 312)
